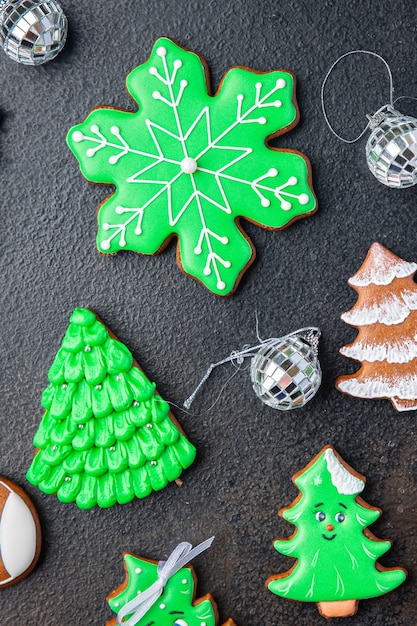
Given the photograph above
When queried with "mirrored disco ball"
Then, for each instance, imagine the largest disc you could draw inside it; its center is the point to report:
(32, 32)
(286, 372)
(391, 150)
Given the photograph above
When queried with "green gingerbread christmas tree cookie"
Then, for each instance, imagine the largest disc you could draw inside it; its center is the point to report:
(191, 165)
(106, 435)
(336, 555)
(176, 606)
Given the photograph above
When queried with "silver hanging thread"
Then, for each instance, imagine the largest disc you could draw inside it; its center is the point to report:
(391, 148)
(311, 335)
(370, 117)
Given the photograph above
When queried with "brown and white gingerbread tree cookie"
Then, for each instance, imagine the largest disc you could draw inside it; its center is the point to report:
(386, 317)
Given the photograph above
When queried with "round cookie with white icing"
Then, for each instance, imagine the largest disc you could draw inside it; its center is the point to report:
(190, 165)
(20, 534)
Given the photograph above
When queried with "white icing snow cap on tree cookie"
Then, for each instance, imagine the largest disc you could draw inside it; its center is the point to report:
(381, 267)
(345, 482)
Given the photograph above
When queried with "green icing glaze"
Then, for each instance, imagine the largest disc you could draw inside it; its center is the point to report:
(105, 436)
(336, 560)
(190, 165)
(175, 607)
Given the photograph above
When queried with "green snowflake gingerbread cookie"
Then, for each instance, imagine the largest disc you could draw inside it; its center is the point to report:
(172, 603)
(336, 554)
(106, 435)
(190, 165)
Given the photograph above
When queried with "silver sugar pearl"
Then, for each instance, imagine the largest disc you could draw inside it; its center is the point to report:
(97, 387)
(149, 425)
(117, 377)
(64, 386)
(32, 32)
(112, 448)
(135, 403)
(153, 463)
(80, 426)
(87, 349)
(67, 479)
(286, 372)
(54, 448)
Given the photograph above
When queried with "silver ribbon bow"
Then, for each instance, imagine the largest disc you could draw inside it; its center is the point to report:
(142, 603)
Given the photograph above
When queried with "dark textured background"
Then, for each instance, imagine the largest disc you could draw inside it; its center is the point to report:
(247, 452)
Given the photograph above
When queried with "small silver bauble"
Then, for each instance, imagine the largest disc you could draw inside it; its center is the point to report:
(391, 150)
(286, 372)
(32, 32)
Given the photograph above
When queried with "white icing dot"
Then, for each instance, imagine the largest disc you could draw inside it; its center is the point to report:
(184, 581)
(224, 240)
(106, 226)
(105, 245)
(188, 165)
(221, 284)
(293, 180)
(285, 205)
(161, 51)
(303, 198)
(280, 83)
(119, 210)
(116, 604)
(265, 202)
(203, 624)
(273, 171)
(198, 250)
(262, 120)
(95, 128)
(77, 136)
(90, 152)
(153, 71)
(184, 83)
(258, 85)
(162, 606)
(115, 130)
(138, 570)
(113, 159)
(240, 97)
(177, 63)
(278, 104)
(156, 95)
(206, 271)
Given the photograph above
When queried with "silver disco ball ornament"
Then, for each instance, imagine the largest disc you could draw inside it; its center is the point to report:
(286, 372)
(32, 32)
(391, 150)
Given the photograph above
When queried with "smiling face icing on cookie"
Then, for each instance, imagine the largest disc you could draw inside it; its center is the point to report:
(328, 520)
(336, 558)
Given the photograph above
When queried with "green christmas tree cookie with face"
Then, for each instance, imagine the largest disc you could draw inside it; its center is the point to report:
(336, 554)
(176, 606)
(191, 165)
(106, 435)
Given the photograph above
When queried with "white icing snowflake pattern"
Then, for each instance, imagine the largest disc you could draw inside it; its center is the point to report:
(173, 172)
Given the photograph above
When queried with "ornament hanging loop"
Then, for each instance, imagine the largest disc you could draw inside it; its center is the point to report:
(385, 106)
